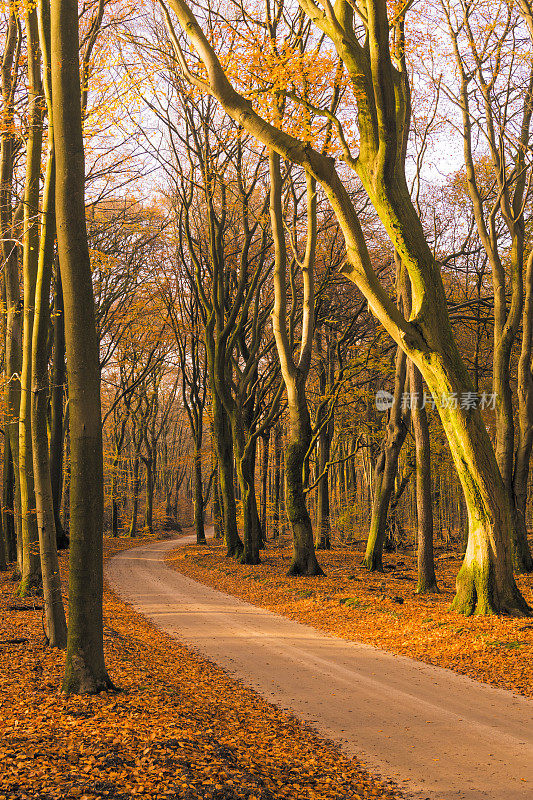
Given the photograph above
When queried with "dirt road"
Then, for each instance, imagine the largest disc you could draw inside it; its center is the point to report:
(438, 734)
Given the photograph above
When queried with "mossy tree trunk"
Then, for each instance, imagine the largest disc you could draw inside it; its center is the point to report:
(507, 272)
(85, 670)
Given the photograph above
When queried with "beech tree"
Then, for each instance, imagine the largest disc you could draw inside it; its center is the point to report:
(491, 107)
(372, 49)
(85, 670)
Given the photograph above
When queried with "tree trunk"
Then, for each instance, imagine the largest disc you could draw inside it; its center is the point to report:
(31, 567)
(115, 513)
(54, 612)
(427, 581)
(8, 498)
(325, 369)
(323, 541)
(224, 448)
(264, 484)
(276, 485)
(522, 558)
(198, 498)
(56, 410)
(149, 505)
(385, 470)
(135, 499)
(304, 561)
(85, 670)
(9, 235)
(218, 522)
(245, 475)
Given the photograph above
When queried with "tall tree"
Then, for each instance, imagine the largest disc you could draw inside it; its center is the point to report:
(31, 567)
(56, 627)
(485, 61)
(85, 670)
(9, 230)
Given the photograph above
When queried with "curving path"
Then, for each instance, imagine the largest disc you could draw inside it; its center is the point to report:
(440, 735)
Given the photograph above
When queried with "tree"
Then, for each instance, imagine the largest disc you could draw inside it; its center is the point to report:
(378, 73)
(55, 623)
(9, 233)
(485, 61)
(31, 567)
(85, 670)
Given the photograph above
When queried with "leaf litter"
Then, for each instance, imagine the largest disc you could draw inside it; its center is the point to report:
(179, 728)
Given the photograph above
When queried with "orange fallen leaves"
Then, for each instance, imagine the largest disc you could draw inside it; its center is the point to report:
(180, 728)
(379, 609)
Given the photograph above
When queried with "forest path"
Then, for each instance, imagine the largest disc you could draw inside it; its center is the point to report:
(439, 735)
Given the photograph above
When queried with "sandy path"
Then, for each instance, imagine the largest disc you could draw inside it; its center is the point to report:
(439, 735)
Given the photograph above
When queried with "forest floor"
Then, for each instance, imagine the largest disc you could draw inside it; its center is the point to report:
(179, 727)
(379, 609)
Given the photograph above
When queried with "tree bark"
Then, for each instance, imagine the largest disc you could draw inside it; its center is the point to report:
(386, 470)
(9, 234)
(224, 447)
(54, 612)
(244, 461)
(304, 560)
(135, 499)
(149, 496)
(57, 410)
(31, 567)
(85, 670)
(522, 557)
(198, 498)
(8, 498)
(264, 484)
(427, 581)
(276, 485)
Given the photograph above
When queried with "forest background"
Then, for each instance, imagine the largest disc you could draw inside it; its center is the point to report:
(274, 262)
